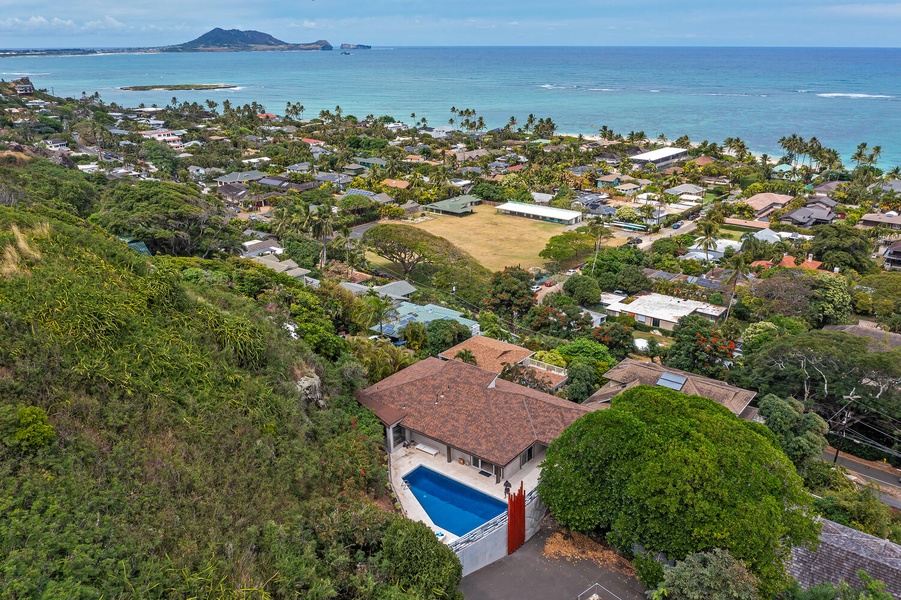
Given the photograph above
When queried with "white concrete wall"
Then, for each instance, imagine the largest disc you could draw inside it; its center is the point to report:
(489, 543)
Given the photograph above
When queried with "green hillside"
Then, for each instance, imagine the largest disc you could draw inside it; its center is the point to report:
(153, 441)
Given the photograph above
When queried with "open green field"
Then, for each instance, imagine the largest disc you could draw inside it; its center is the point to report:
(496, 241)
(730, 232)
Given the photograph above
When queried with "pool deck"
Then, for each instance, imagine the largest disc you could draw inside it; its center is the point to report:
(405, 460)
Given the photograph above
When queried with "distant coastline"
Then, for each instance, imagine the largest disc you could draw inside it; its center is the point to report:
(178, 87)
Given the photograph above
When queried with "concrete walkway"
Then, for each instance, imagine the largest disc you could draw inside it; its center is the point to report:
(528, 575)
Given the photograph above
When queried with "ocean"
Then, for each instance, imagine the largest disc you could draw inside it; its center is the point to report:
(843, 96)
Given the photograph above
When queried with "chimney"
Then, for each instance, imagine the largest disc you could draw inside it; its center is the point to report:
(810, 257)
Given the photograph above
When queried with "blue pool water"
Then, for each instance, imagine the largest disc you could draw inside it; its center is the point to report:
(451, 505)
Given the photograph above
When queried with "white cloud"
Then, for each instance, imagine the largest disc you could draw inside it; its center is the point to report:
(104, 24)
(879, 11)
(36, 23)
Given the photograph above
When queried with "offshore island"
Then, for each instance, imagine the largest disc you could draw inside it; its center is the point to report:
(215, 40)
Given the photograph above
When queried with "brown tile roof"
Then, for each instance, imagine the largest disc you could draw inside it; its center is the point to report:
(490, 354)
(765, 200)
(470, 409)
(397, 183)
(631, 372)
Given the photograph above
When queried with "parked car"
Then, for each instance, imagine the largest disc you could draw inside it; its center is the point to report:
(677, 224)
(550, 283)
(571, 272)
(620, 293)
(692, 216)
(636, 241)
(535, 288)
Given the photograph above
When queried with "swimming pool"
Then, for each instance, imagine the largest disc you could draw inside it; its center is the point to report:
(451, 505)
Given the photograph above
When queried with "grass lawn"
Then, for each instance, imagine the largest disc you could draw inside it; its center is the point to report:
(496, 241)
(661, 339)
(728, 232)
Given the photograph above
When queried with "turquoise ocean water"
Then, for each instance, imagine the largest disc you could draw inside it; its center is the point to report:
(841, 96)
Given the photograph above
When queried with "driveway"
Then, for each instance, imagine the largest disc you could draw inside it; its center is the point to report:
(529, 575)
(357, 232)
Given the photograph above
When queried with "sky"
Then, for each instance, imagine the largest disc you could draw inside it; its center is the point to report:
(139, 23)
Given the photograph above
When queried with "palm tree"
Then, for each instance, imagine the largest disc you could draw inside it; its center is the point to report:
(708, 240)
(320, 224)
(377, 309)
(738, 270)
(647, 211)
(466, 356)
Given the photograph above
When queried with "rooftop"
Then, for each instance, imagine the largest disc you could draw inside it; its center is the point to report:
(631, 372)
(667, 308)
(540, 211)
(470, 408)
(490, 354)
(660, 154)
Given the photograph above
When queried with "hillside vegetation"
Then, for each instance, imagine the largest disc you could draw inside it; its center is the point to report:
(153, 439)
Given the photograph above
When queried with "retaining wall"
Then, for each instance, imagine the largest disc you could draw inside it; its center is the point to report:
(487, 544)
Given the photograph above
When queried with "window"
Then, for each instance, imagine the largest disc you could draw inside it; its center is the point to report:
(655, 322)
(640, 318)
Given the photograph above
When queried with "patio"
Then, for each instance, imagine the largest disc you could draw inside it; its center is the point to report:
(404, 460)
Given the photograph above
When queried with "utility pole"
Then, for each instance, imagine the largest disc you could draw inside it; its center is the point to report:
(844, 424)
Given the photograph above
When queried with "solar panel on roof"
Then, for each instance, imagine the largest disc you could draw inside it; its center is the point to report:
(673, 382)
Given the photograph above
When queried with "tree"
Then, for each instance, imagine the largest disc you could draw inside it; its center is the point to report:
(419, 561)
(616, 337)
(526, 377)
(586, 349)
(583, 289)
(713, 575)
(170, 218)
(567, 246)
(679, 474)
(466, 356)
(414, 334)
(581, 380)
(631, 279)
(699, 348)
(841, 246)
(509, 294)
(872, 589)
(707, 239)
(801, 434)
(445, 333)
(376, 310)
(406, 246)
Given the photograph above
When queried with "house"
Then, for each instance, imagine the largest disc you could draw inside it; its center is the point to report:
(702, 161)
(396, 290)
(370, 162)
(890, 219)
(466, 413)
(236, 193)
(303, 167)
(24, 89)
(766, 202)
(493, 355)
(244, 177)
(842, 553)
(767, 235)
(407, 312)
(55, 144)
(716, 253)
(459, 206)
(660, 158)
(398, 184)
(628, 188)
(825, 190)
(789, 262)
(892, 185)
(541, 198)
(892, 256)
(164, 136)
(808, 216)
(630, 373)
(611, 180)
(686, 188)
(259, 247)
(658, 310)
(541, 213)
(338, 180)
(288, 267)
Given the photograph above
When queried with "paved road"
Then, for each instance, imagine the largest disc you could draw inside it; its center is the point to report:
(866, 471)
(357, 232)
(528, 575)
